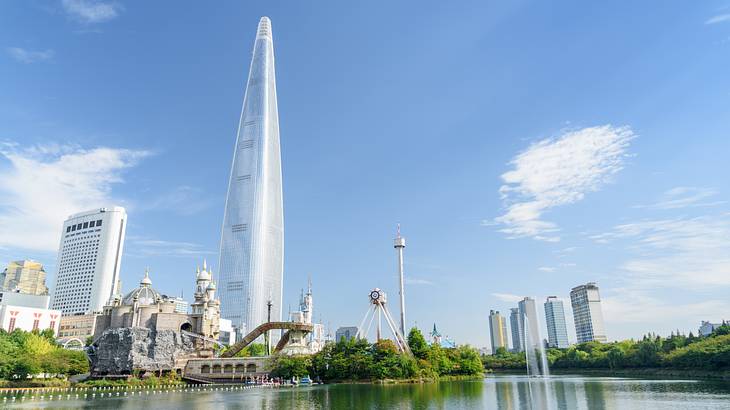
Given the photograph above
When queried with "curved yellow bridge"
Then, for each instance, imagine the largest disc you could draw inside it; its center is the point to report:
(263, 328)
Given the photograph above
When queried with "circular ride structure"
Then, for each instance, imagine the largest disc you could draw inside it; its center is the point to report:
(379, 309)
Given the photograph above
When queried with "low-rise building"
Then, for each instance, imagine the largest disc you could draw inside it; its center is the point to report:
(706, 328)
(28, 318)
(27, 312)
(74, 330)
(25, 299)
(227, 333)
(181, 305)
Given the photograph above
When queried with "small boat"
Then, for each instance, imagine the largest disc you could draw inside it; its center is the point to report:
(305, 380)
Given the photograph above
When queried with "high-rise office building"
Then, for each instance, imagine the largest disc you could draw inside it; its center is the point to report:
(587, 314)
(516, 328)
(252, 238)
(529, 324)
(555, 322)
(89, 260)
(24, 277)
(497, 330)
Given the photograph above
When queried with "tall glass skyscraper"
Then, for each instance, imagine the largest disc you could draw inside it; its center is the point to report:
(516, 328)
(555, 322)
(252, 239)
(587, 314)
(529, 325)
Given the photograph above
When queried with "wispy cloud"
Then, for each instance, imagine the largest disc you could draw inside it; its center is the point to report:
(29, 56)
(720, 18)
(627, 305)
(507, 297)
(41, 186)
(684, 197)
(145, 247)
(546, 269)
(559, 171)
(417, 281)
(681, 252)
(184, 200)
(91, 11)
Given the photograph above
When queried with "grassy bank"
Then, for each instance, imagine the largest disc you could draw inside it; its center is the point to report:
(644, 373)
(651, 373)
(34, 383)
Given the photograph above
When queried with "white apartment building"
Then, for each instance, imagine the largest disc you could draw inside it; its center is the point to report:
(89, 259)
(587, 313)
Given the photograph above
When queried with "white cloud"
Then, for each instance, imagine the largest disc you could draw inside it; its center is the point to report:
(417, 281)
(567, 264)
(684, 197)
(720, 18)
(681, 252)
(559, 171)
(184, 200)
(91, 11)
(507, 297)
(145, 247)
(41, 186)
(546, 269)
(628, 305)
(28, 56)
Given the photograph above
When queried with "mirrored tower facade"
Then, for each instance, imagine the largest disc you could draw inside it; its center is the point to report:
(252, 238)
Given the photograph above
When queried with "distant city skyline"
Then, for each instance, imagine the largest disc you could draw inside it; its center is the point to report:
(559, 151)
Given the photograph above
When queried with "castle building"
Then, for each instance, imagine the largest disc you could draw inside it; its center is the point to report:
(147, 308)
(301, 342)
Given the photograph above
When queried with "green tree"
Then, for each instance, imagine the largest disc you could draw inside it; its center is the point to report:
(616, 357)
(252, 350)
(288, 367)
(417, 343)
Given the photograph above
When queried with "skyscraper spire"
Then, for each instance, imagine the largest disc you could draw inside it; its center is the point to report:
(252, 238)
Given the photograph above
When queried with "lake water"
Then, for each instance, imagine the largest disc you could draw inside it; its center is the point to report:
(494, 392)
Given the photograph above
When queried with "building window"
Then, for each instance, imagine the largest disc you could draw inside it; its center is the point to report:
(86, 225)
(98, 222)
(91, 224)
(68, 229)
(73, 228)
(11, 325)
(78, 226)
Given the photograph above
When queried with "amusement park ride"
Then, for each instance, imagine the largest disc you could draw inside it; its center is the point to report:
(379, 309)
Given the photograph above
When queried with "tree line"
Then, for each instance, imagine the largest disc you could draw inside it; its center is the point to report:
(360, 360)
(27, 354)
(677, 351)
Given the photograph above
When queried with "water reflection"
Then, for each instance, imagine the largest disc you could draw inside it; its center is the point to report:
(494, 392)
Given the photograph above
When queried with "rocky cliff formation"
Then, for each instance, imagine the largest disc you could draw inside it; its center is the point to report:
(122, 351)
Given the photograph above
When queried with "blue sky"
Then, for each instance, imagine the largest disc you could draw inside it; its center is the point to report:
(524, 147)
